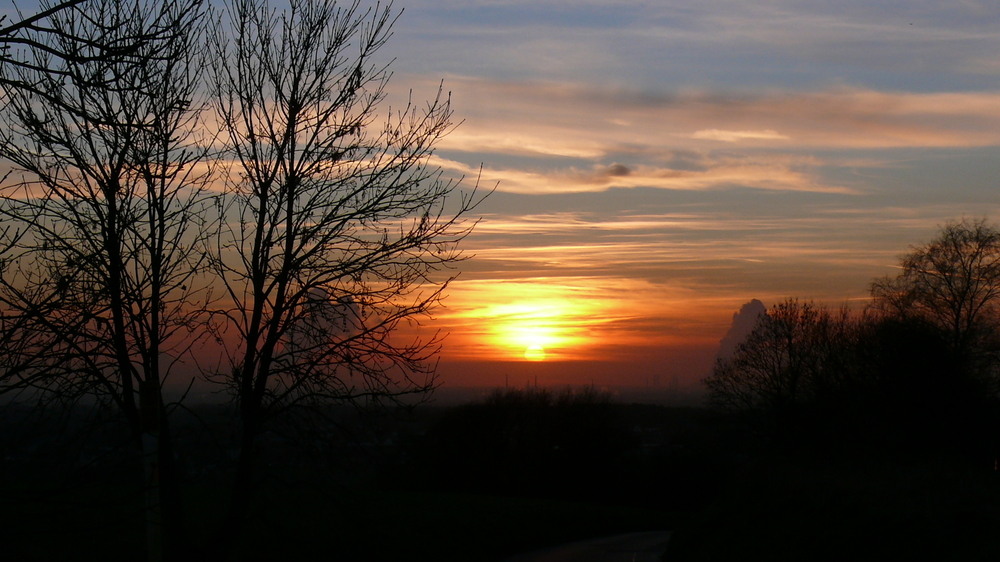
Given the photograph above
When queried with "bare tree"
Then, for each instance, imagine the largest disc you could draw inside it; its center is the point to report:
(952, 282)
(104, 213)
(329, 233)
(336, 222)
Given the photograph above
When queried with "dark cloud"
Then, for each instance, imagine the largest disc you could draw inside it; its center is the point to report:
(617, 170)
(600, 174)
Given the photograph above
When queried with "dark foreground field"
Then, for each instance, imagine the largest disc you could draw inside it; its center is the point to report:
(483, 482)
(365, 487)
(786, 509)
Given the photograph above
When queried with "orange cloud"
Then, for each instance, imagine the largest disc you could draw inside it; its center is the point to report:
(553, 118)
(735, 136)
(766, 174)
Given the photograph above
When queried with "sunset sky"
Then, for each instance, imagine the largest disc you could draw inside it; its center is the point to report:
(659, 163)
(662, 162)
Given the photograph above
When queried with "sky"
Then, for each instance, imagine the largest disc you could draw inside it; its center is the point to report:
(660, 163)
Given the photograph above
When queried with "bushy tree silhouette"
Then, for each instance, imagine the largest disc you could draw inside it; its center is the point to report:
(953, 283)
(916, 370)
(790, 357)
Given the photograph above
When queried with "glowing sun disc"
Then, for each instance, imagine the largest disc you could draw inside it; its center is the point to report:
(534, 353)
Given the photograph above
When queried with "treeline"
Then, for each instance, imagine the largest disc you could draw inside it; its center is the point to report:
(532, 441)
(914, 372)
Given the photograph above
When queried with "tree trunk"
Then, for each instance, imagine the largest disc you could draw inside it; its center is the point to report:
(161, 483)
(234, 526)
(151, 458)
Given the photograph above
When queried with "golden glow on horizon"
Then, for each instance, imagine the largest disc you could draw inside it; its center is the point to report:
(549, 319)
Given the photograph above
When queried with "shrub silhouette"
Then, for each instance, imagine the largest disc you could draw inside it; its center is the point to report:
(529, 442)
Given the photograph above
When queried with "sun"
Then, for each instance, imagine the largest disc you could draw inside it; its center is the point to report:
(542, 320)
(533, 330)
(534, 353)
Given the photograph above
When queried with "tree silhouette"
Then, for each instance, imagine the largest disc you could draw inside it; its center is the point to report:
(773, 367)
(797, 355)
(330, 218)
(952, 282)
(918, 367)
(103, 214)
(297, 243)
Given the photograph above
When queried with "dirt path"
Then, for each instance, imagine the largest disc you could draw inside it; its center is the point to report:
(633, 547)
